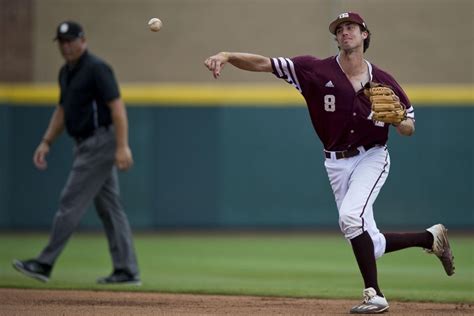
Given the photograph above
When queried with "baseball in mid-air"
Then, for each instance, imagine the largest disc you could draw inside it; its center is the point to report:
(155, 24)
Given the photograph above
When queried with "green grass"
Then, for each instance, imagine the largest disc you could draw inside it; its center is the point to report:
(308, 265)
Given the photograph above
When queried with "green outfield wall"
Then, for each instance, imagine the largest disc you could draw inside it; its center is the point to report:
(237, 163)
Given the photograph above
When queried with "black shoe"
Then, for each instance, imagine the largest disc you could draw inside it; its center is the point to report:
(33, 269)
(120, 277)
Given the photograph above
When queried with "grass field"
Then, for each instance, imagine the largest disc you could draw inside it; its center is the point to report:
(292, 265)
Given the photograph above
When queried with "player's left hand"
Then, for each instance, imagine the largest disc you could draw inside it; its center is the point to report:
(123, 158)
(216, 63)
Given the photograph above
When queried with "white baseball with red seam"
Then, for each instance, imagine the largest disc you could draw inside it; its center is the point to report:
(155, 24)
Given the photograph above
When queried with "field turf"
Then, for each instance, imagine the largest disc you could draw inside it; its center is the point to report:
(292, 265)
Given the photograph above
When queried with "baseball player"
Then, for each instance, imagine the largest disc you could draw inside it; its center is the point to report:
(352, 104)
(92, 111)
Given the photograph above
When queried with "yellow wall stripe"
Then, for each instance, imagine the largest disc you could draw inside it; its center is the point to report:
(219, 94)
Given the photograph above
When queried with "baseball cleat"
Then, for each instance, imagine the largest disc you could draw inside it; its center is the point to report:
(33, 269)
(120, 277)
(441, 247)
(372, 304)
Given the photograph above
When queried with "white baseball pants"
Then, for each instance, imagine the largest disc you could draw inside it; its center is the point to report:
(356, 182)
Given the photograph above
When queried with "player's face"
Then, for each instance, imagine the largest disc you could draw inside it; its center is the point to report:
(349, 36)
(71, 50)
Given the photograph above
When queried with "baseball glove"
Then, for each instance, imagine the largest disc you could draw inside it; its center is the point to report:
(386, 106)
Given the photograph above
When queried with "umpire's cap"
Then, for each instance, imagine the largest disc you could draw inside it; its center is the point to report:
(69, 30)
(346, 17)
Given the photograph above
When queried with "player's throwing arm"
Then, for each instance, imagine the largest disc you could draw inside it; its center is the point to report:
(244, 61)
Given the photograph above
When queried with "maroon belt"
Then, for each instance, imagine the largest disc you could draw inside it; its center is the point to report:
(347, 153)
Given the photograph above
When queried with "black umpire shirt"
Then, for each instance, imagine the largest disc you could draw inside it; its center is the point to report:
(86, 87)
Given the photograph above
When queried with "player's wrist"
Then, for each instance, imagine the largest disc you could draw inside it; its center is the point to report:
(226, 55)
(399, 123)
(46, 141)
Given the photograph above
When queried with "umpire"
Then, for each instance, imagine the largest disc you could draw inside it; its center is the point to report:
(94, 115)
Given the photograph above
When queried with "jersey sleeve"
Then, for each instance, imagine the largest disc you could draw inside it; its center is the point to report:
(292, 70)
(284, 68)
(105, 82)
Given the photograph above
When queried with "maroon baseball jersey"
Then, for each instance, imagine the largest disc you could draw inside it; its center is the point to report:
(341, 116)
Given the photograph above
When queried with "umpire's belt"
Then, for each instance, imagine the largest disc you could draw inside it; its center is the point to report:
(347, 153)
(80, 139)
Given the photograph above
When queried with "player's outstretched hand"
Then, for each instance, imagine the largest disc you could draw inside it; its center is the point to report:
(39, 157)
(216, 63)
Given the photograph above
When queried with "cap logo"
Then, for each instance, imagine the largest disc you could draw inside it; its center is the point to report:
(63, 28)
(343, 15)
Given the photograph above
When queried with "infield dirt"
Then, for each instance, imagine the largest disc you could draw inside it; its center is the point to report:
(55, 302)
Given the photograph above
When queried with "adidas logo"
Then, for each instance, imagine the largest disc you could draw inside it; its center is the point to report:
(329, 84)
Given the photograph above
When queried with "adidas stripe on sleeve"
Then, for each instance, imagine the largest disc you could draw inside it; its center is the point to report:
(411, 113)
(284, 68)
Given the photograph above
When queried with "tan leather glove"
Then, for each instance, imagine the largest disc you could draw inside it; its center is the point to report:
(386, 106)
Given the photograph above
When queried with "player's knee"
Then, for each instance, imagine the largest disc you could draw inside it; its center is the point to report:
(350, 225)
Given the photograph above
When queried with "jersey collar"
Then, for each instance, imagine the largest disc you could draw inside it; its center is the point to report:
(366, 61)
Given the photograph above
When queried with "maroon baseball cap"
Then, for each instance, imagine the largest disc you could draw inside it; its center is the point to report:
(346, 17)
